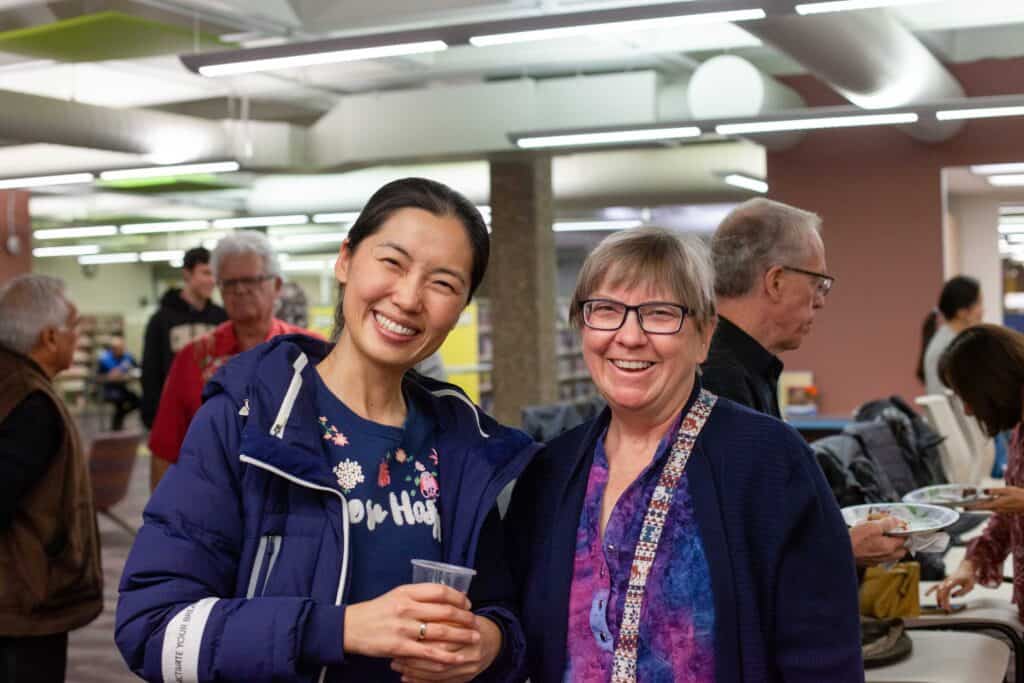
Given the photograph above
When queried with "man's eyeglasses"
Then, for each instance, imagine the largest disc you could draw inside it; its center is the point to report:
(655, 317)
(824, 282)
(237, 284)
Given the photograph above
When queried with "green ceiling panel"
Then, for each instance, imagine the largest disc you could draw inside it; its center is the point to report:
(102, 36)
(190, 183)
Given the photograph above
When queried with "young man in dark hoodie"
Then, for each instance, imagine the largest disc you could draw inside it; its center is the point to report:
(184, 315)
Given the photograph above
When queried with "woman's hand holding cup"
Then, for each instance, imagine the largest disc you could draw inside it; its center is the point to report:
(422, 621)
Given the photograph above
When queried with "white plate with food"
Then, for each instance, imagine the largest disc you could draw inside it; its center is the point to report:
(950, 495)
(916, 518)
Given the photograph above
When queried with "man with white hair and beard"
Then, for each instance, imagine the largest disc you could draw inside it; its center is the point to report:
(50, 576)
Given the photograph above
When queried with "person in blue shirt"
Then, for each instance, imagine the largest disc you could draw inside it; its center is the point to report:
(278, 548)
(115, 368)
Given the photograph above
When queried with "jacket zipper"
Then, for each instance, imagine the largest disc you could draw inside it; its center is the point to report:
(344, 524)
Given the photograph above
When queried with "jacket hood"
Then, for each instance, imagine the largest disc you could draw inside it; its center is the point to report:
(172, 299)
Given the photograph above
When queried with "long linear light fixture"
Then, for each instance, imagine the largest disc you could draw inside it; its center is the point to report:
(650, 134)
(293, 55)
(165, 226)
(116, 257)
(606, 28)
(1011, 180)
(259, 221)
(746, 182)
(584, 226)
(849, 5)
(288, 241)
(71, 250)
(46, 180)
(993, 169)
(169, 255)
(339, 217)
(849, 121)
(978, 113)
(68, 233)
(164, 171)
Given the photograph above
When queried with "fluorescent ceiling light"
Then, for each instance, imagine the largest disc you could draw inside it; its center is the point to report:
(259, 221)
(615, 27)
(746, 182)
(1015, 237)
(164, 171)
(978, 113)
(1013, 220)
(609, 137)
(84, 231)
(579, 226)
(1006, 180)
(1011, 210)
(1009, 228)
(308, 265)
(341, 217)
(286, 241)
(992, 169)
(46, 180)
(169, 255)
(73, 250)
(166, 226)
(848, 5)
(331, 57)
(123, 257)
(815, 123)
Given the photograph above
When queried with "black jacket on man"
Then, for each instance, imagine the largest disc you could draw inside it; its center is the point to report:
(175, 324)
(742, 370)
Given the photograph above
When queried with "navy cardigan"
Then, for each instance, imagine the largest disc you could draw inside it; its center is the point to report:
(779, 554)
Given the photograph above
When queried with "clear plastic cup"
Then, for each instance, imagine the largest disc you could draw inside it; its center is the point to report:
(451, 575)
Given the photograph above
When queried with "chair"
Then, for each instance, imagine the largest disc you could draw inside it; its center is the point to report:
(111, 460)
(982, 445)
(958, 458)
(941, 656)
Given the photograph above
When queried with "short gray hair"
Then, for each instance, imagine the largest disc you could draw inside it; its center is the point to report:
(28, 305)
(650, 256)
(245, 242)
(755, 236)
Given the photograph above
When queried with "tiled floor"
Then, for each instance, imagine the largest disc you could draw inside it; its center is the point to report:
(92, 655)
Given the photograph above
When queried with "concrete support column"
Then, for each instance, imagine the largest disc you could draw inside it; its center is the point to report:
(15, 234)
(977, 222)
(521, 285)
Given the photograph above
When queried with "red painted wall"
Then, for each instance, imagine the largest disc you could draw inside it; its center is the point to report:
(15, 205)
(879, 193)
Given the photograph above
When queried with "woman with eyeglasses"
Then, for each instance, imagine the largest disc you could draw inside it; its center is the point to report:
(279, 547)
(677, 536)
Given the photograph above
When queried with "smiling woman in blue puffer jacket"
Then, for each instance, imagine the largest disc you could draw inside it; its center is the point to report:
(279, 547)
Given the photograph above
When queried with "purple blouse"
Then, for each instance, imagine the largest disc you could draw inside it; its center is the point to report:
(678, 618)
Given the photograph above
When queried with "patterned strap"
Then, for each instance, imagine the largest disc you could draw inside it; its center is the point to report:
(624, 668)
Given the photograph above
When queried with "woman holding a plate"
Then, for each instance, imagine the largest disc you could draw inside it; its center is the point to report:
(984, 366)
(677, 536)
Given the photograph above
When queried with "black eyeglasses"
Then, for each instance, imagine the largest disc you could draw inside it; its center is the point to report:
(238, 283)
(655, 317)
(824, 283)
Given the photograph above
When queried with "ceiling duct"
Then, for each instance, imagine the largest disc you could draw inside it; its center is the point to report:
(159, 137)
(728, 87)
(869, 58)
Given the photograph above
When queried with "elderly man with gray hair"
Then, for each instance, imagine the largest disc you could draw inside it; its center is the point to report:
(50, 577)
(249, 276)
(770, 280)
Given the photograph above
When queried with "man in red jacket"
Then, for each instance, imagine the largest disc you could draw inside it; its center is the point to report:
(249, 278)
